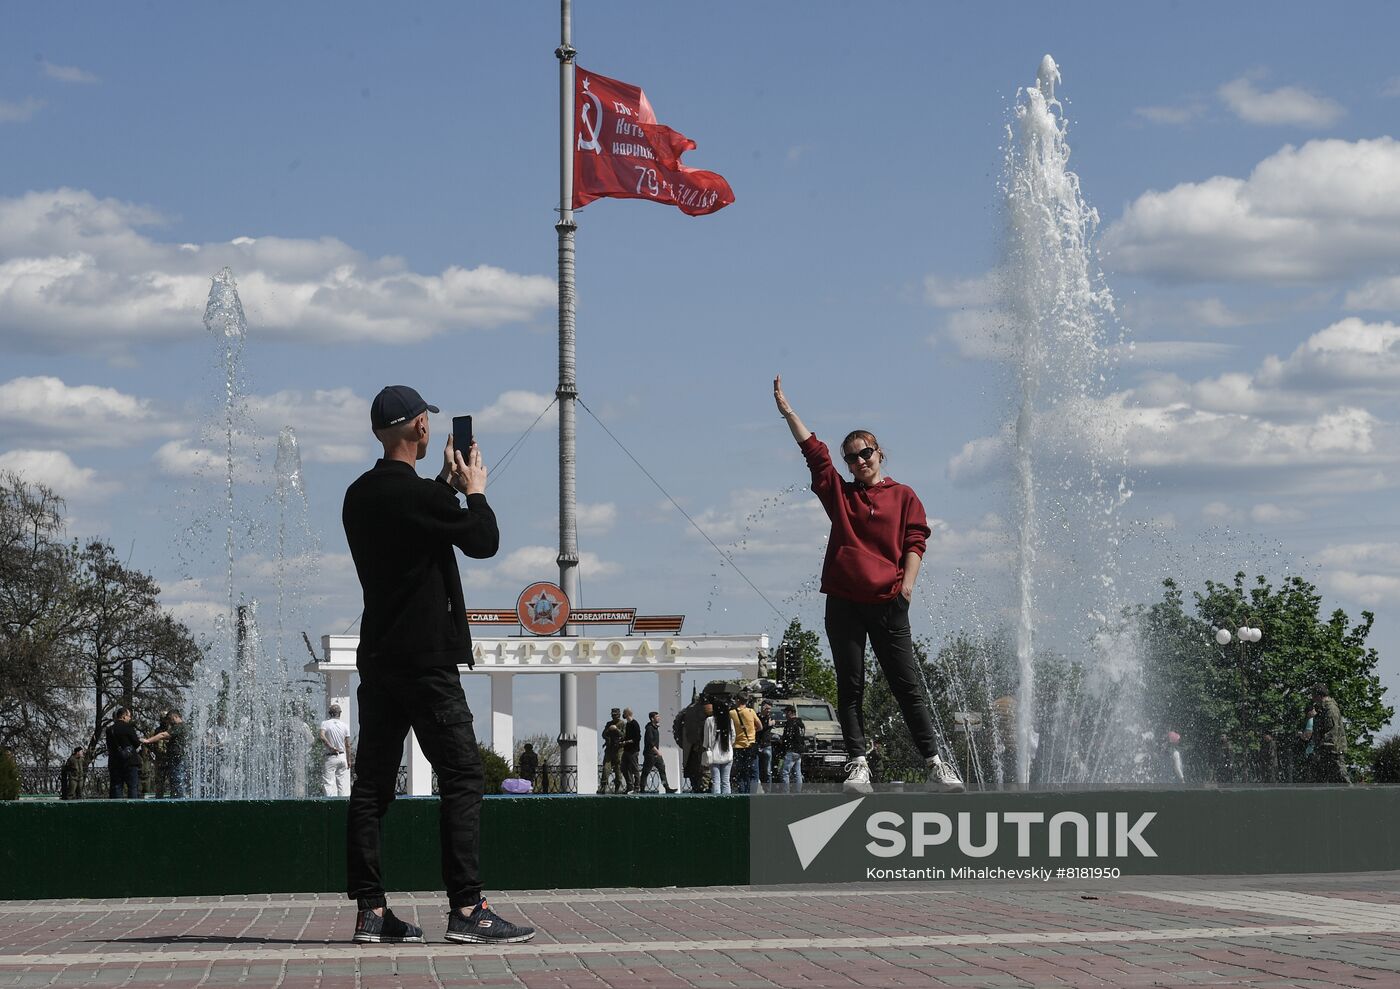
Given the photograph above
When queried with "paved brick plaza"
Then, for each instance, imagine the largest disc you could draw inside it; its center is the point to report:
(1293, 931)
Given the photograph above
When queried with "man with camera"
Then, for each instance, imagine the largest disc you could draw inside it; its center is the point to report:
(402, 531)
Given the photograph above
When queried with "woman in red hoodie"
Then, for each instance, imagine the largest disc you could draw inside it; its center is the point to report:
(878, 535)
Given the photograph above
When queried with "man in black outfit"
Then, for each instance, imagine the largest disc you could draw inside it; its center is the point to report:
(651, 753)
(402, 530)
(631, 748)
(124, 756)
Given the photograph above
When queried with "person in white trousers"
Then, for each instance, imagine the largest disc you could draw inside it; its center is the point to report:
(335, 737)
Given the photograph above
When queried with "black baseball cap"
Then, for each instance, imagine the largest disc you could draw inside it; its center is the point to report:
(395, 404)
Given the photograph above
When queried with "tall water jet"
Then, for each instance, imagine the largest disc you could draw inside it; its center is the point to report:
(291, 515)
(1059, 309)
(248, 722)
(224, 318)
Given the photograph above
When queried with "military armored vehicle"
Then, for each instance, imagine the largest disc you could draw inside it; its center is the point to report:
(825, 757)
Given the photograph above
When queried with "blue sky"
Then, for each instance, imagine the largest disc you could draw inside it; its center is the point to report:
(383, 182)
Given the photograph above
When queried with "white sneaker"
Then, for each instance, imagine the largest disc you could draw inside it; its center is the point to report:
(943, 778)
(857, 776)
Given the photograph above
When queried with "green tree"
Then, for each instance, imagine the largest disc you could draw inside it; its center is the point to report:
(131, 652)
(817, 677)
(1385, 760)
(39, 706)
(1244, 691)
(497, 769)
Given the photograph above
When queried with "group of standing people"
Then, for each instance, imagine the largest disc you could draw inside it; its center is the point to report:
(136, 766)
(738, 746)
(1318, 756)
(624, 740)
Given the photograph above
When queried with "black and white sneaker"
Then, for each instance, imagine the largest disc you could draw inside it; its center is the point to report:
(370, 928)
(484, 926)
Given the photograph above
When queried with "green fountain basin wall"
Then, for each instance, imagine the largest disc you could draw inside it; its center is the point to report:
(99, 848)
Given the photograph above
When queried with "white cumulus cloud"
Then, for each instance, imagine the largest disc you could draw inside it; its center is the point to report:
(1329, 208)
(1300, 423)
(1285, 105)
(81, 273)
(1380, 293)
(56, 469)
(83, 415)
(514, 411)
(540, 563)
(596, 519)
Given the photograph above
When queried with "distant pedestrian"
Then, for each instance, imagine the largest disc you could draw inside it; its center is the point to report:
(336, 754)
(718, 753)
(745, 723)
(70, 777)
(1330, 734)
(528, 766)
(1307, 759)
(124, 757)
(1268, 760)
(765, 745)
(631, 749)
(612, 755)
(689, 732)
(1176, 772)
(651, 753)
(171, 746)
(792, 743)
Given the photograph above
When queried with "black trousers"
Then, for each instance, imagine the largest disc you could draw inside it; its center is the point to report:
(432, 703)
(649, 763)
(124, 780)
(849, 624)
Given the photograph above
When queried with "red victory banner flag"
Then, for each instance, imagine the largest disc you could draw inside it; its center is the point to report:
(622, 152)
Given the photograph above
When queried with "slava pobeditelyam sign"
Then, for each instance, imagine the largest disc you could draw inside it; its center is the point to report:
(621, 152)
(544, 609)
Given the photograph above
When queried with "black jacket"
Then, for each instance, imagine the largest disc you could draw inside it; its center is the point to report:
(632, 736)
(651, 739)
(401, 529)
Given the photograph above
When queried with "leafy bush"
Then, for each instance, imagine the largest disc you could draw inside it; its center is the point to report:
(497, 769)
(9, 776)
(1385, 760)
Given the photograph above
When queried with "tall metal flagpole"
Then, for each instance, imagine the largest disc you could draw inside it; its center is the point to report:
(567, 391)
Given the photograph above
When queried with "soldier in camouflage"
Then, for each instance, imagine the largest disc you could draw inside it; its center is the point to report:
(1330, 738)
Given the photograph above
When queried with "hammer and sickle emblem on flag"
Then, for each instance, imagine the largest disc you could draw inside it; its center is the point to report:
(593, 126)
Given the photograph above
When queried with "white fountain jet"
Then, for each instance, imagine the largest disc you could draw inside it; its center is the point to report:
(223, 314)
(1056, 303)
(1047, 77)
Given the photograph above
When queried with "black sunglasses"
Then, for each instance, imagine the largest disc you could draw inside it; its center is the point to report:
(865, 454)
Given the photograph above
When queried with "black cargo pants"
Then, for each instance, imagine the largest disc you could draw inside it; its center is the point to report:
(432, 703)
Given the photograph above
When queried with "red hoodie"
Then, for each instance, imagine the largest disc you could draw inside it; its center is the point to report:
(872, 528)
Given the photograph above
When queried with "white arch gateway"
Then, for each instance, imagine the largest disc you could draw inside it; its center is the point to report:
(502, 658)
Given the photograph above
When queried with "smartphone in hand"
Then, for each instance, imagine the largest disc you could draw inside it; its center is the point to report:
(462, 435)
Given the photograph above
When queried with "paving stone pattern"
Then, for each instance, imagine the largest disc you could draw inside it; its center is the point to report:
(1277, 931)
